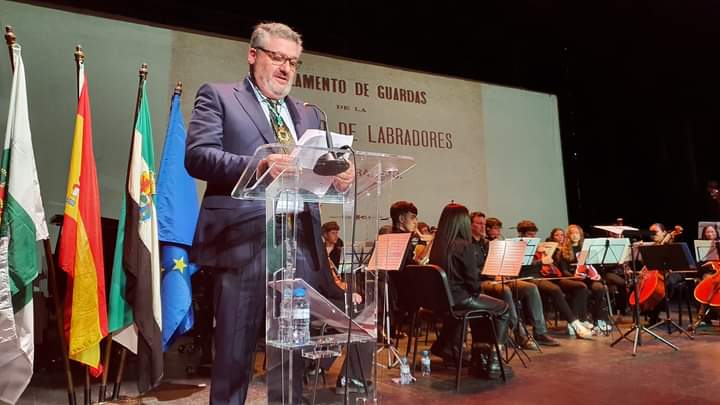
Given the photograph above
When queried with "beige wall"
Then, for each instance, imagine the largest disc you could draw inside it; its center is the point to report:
(504, 157)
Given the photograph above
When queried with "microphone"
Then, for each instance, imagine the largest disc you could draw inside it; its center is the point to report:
(328, 164)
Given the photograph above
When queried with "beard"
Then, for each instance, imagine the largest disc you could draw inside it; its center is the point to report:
(278, 90)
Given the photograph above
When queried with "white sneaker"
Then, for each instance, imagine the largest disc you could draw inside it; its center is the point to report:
(587, 325)
(603, 326)
(571, 331)
(580, 330)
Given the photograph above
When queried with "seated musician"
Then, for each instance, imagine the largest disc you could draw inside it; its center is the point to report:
(526, 292)
(567, 258)
(493, 229)
(660, 236)
(557, 235)
(454, 251)
(334, 249)
(359, 354)
(559, 289)
(706, 269)
(709, 232)
(404, 220)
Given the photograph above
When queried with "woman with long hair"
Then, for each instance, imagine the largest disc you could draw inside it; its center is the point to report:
(574, 238)
(454, 252)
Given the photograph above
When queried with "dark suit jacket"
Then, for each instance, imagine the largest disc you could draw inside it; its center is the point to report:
(226, 127)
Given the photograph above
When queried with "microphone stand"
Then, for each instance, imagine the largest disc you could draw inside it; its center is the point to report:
(328, 164)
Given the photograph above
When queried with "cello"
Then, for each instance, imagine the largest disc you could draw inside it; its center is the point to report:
(651, 283)
(708, 291)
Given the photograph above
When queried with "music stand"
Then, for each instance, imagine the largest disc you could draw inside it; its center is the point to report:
(665, 258)
(602, 252)
(504, 259)
(389, 254)
(638, 328)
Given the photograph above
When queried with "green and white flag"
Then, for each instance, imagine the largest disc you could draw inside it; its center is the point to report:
(22, 224)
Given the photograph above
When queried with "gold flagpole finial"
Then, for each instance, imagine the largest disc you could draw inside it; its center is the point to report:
(79, 54)
(178, 89)
(143, 72)
(10, 38)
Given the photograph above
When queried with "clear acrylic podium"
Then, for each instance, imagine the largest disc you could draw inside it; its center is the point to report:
(357, 211)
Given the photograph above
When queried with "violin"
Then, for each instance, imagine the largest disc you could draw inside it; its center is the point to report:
(670, 236)
(550, 270)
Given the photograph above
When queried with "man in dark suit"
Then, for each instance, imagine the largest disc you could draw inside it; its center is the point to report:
(229, 121)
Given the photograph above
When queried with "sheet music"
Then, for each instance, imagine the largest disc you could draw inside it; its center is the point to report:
(706, 250)
(548, 249)
(616, 250)
(389, 252)
(504, 258)
(531, 247)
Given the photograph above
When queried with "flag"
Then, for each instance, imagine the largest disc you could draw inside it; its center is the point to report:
(177, 209)
(22, 224)
(81, 249)
(141, 255)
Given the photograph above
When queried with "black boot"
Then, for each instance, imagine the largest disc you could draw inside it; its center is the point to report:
(486, 363)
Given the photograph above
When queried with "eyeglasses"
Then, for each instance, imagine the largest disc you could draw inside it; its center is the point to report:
(278, 59)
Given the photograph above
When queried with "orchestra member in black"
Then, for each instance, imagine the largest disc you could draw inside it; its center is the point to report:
(454, 252)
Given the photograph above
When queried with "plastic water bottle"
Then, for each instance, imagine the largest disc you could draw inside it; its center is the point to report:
(285, 321)
(405, 376)
(425, 362)
(300, 318)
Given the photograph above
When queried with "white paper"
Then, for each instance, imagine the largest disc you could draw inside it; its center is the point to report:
(316, 139)
(504, 258)
(305, 159)
(531, 246)
(706, 250)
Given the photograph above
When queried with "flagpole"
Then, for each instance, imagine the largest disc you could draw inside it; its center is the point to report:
(80, 59)
(11, 39)
(142, 74)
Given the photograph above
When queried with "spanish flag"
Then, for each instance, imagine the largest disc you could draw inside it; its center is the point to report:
(81, 254)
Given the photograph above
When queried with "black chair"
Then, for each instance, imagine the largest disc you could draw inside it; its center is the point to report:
(427, 287)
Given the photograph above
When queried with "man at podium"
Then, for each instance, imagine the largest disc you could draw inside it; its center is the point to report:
(229, 121)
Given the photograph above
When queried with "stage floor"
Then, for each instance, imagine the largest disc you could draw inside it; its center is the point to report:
(577, 372)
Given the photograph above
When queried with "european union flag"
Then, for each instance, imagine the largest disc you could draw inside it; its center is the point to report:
(177, 211)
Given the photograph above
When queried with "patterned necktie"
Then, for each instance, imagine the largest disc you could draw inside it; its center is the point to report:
(282, 132)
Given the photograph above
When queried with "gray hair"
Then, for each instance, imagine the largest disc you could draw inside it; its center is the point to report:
(264, 31)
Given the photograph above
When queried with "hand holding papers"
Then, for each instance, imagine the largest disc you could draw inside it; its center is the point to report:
(312, 147)
(547, 249)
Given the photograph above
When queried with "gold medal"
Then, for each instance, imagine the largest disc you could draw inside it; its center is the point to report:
(283, 134)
